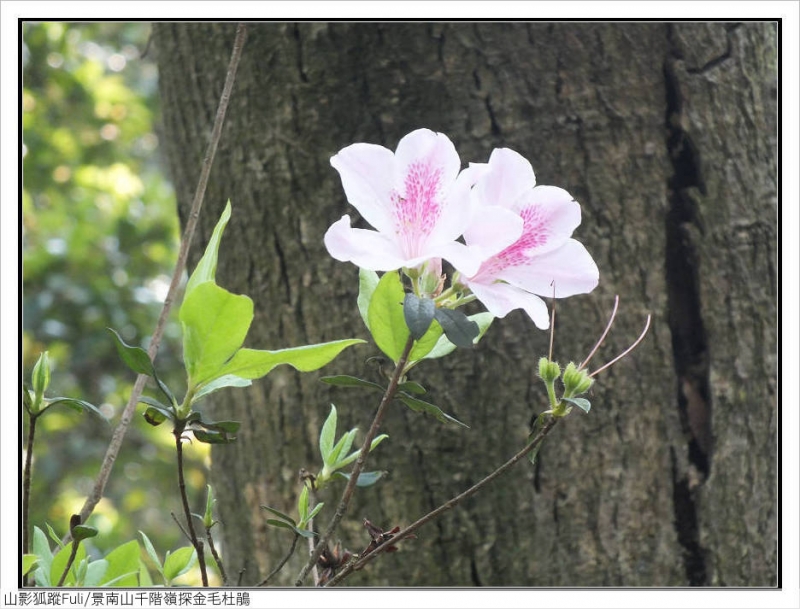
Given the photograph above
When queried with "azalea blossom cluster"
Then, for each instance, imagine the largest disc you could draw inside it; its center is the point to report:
(517, 236)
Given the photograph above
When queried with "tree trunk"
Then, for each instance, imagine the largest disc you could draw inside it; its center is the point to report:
(665, 134)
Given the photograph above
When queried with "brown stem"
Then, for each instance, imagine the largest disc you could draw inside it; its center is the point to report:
(388, 396)
(216, 555)
(26, 491)
(311, 503)
(283, 562)
(119, 433)
(73, 553)
(358, 564)
(196, 543)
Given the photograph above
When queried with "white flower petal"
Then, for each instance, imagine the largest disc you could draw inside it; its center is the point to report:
(551, 216)
(509, 176)
(433, 150)
(466, 260)
(459, 207)
(368, 173)
(367, 249)
(571, 267)
(493, 229)
(501, 298)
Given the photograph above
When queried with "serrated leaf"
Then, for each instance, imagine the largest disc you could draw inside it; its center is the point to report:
(123, 564)
(367, 282)
(254, 363)
(444, 346)
(206, 269)
(327, 435)
(151, 552)
(215, 323)
(418, 313)
(421, 406)
(459, 329)
(581, 403)
(365, 478)
(345, 380)
(179, 562)
(228, 380)
(280, 514)
(386, 320)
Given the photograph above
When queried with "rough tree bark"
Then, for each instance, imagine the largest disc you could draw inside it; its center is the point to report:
(665, 133)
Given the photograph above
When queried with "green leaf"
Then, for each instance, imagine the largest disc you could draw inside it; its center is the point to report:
(304, 532)
(386, 320)
(206, 269)
(40, 376)
(365, 478)
(537, 427)
(444, 346)
(412, 387)
(327, 435)
(156, 416)
(122, 561)
(581, 403)
(60, 562)
(354, 455)
(459, 329)
(316, 510)
(151, 552)
(135, 358)
(418, 313)
(229, 380)
(208, 515)
(253, 363)
(213, 436)
(77, 405)
(53, 535)
(367, 282)
(128, 580)
(83, 531)
(139, 361)
(145, 581)
(345, 380)
(28, 562)
(342, 448)
(280, 514)
(302, 504)
(424, 345)
(222, 426)
(179, 562)
(280, 524)
(41, 548)
(420, 406)
(95, 571)
(215, 323)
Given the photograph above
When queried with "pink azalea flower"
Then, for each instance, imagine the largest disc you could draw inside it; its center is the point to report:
(544, 255)
(417, 200)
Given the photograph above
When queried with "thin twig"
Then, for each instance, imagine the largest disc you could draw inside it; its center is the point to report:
(311, 503)
(119, 433)
(628, 350)
(280, 565)
(603, 335)
(358, 564)
(26, 490)
(72, 554)
(180, 526)
(388, 396)
(216, 556)
(196, 543)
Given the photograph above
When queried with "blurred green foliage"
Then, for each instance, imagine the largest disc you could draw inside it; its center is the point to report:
(100, 238)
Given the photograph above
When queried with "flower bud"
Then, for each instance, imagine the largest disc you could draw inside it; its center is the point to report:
(576, 381)
(548, 371)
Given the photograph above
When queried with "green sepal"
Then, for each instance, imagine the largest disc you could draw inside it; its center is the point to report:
(421, 406)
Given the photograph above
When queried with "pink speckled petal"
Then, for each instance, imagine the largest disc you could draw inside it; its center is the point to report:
(570, 266)
(431, 149)
(551, 216)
